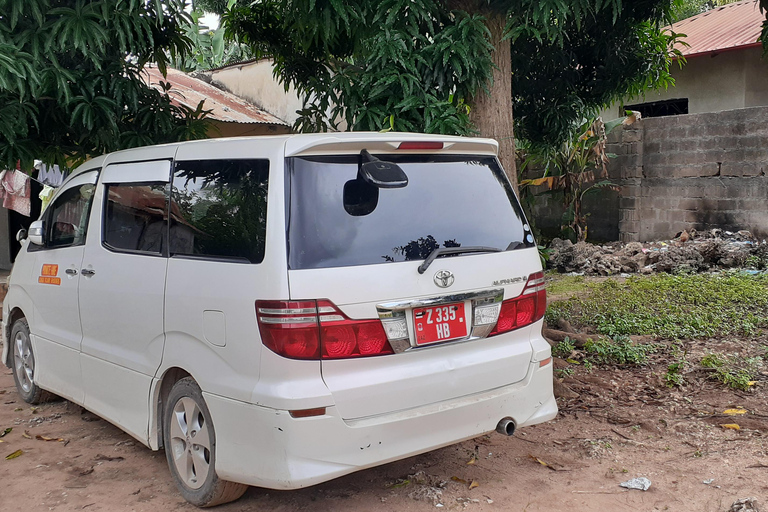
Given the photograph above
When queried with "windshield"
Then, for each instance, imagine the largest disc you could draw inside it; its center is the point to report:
(450, 201)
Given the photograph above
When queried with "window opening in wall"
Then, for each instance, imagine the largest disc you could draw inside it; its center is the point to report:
(659, 108)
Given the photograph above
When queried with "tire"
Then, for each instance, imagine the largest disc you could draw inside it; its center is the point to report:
(186, 419)
(22, 361)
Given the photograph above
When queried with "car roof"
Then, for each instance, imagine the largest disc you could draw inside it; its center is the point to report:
(310, 144)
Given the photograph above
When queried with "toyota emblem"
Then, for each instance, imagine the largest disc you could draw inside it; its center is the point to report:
(444, 278)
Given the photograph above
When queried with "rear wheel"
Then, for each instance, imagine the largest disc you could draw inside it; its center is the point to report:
(190, 447)
(23, 363)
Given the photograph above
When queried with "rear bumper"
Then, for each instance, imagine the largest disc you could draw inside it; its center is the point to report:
(268, 448)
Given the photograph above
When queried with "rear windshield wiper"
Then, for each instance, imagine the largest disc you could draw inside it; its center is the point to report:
(441, 251)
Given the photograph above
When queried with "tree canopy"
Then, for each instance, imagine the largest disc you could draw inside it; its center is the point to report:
(687, 8)
(446, 66)
(70, 78)
(593, 61)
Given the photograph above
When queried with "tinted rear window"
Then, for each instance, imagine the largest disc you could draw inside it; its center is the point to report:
(450, 201)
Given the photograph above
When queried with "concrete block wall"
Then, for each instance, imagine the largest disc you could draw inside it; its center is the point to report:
(699, 171)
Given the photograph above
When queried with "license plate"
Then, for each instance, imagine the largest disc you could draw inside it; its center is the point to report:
(439, 323)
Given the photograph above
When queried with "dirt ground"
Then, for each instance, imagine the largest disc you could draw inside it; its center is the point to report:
(624, 424)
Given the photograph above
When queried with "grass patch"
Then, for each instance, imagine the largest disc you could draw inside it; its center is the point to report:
(734, 371)
(671, 306)
(560, 284)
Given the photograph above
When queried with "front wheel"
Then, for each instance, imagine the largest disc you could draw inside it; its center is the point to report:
(190, 447)
(23, 363)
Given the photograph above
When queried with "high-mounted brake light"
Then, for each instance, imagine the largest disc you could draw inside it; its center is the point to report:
(525, 309)
(315, 329)
(420, 145)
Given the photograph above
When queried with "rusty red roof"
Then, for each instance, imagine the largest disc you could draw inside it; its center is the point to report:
(729, 27)
(224, 106)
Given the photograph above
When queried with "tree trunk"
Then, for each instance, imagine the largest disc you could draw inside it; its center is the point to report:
(492, 113)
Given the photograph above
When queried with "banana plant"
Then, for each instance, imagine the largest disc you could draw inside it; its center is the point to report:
(575, 169)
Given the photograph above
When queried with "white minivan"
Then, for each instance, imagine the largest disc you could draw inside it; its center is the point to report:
(280, 311)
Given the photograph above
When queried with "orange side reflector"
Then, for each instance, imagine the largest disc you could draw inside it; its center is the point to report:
(306, 413)
(545, 362)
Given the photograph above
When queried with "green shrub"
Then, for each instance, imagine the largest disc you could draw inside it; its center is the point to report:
(734, 371)
(619, 350)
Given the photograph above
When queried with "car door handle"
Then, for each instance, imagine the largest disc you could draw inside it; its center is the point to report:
(87, 272)
(71, 271)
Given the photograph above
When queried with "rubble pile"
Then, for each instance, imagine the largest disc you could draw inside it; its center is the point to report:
(689, 251)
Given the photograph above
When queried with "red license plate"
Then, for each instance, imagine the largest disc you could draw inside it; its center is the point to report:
(439, 323)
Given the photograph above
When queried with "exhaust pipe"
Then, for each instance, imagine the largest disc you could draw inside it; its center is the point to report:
(506, 426)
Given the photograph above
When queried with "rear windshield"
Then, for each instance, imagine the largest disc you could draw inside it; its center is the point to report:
(450, 201)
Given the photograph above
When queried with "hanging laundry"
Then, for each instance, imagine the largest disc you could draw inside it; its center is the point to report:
(46, 195)
(50, 175)
(16, 192)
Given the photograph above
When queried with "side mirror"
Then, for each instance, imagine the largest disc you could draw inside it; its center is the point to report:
(36, 232)
(21, 235)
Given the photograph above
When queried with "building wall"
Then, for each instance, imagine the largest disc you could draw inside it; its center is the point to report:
(601, 206)
(222, 129)
(255, 82)
(725, 81)
(699, 171)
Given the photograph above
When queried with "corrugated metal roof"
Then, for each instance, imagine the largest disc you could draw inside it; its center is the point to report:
(236, 64)
(224, 106)
(731, 26)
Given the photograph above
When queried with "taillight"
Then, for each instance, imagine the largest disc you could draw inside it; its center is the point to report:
(318, 329)
(525, 309)
(289, 328)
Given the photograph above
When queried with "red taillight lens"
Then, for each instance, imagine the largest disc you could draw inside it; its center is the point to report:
(289, 328)
(338, 341)
(371, 339)
(525, 309)
(342, 337)
(318, 329)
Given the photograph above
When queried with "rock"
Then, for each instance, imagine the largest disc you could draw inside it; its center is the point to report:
(426, 493)
(640, 483)
(678, 259)
(701, 251)
(744, 505)
(734, 256)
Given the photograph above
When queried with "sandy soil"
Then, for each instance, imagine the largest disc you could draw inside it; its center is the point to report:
(624, 424)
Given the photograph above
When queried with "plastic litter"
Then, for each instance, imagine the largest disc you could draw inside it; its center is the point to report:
(640, 483)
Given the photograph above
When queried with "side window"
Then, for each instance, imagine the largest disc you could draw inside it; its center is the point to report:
(135, 217)
(67, 217)
(219, 209)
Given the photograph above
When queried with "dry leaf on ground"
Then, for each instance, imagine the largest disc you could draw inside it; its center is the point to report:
(45, 438)
(13, 455)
